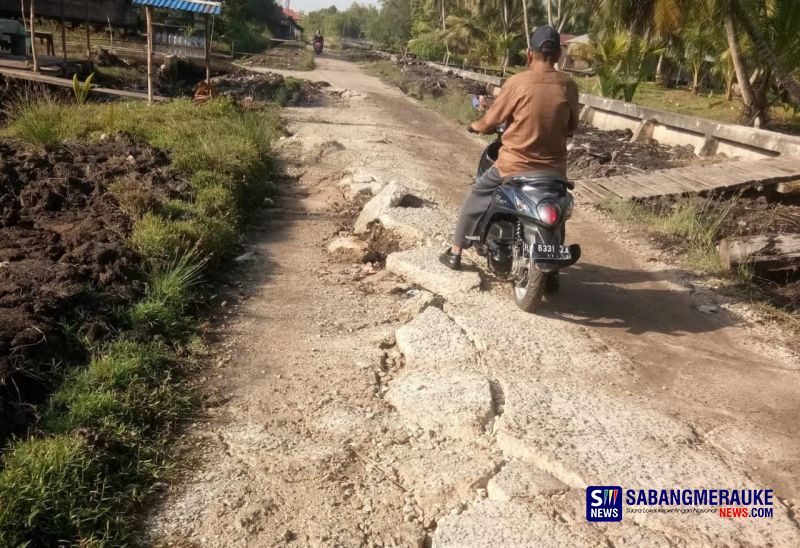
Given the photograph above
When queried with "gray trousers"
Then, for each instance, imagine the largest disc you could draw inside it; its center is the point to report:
(475, 205)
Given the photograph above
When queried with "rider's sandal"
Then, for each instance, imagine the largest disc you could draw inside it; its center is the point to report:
(450, 259)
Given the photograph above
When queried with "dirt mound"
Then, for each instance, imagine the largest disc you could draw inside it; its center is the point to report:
(421, 80)
(64, 260)
(243, 85)
(597, 153)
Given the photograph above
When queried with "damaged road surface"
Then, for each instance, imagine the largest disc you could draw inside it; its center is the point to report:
(364, 395)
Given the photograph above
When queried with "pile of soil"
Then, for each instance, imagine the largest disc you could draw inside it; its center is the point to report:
(64, 260)
(243, 85)
(421, 80)
(597, 153)
(280, 58)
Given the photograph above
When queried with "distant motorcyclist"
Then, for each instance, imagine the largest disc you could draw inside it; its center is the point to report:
(318, 42)
(540, 108)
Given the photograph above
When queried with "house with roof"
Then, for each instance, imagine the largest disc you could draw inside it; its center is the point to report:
(289, 27)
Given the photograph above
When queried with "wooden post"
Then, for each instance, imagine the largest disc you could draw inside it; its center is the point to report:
(33, 38)
(63, 37)
(88, 33)
(208, 48)
(148, 10)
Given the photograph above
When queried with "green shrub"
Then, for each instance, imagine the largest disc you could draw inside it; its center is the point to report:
(427, 46)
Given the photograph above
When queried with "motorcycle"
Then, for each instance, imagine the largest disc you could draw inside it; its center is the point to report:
(522, 233)
(318, 48)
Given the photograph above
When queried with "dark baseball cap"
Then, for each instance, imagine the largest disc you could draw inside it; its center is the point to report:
(545, 39)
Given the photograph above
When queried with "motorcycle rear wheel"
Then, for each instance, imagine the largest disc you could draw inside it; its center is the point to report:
(528, 290)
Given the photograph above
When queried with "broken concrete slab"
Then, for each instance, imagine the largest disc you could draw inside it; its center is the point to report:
(421, 266)
(418, 301)
(433, 340)
(441, 476)
(506, 524)
(450, 402)
(362, 177)
(417, 224)
(348, 249)
(391, 195)
(557, 429)
(520, 480)
(359, 189)
(541, 523)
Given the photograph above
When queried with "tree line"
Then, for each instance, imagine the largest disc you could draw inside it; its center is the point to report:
(747, 48)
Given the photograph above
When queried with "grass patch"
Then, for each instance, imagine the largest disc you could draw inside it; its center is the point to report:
(692, 223)
(453, 104)
(306, 60)
(53, 486)
(710, 105)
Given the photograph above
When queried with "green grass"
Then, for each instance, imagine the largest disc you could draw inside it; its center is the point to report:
(100, 444)
(453, 104)
(693, 223)
(52, 486)
(709, 105)
(306, 61)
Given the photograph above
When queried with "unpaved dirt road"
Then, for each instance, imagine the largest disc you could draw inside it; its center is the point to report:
(417, 405)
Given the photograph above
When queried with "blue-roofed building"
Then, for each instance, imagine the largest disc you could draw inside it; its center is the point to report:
(194, 6)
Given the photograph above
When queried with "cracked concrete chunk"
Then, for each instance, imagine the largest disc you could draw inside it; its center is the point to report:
(416, 303)
(443, 475)
(417, 224)
(433, 340)
(455, 403)
(579, 434)
(506, 524)
(390, 196)
(422, 267)
(348, 249)
(522, 480)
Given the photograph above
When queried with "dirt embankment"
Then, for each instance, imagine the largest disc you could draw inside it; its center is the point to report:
(64, 259)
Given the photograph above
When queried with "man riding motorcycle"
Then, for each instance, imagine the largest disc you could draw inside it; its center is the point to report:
(318, 41)
(540, 108)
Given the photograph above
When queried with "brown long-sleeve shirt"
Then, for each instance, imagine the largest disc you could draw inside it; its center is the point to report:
(540, 107)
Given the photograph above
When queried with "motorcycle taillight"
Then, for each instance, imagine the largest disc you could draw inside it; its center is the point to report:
(548, 212)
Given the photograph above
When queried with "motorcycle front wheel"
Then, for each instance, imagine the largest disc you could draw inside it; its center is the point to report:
(528, 288)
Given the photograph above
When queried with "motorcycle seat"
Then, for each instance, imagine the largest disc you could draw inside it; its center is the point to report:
(537, 179)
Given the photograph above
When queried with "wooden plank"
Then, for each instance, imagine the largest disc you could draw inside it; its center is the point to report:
(63, 82)
(762, 252)
(685, 183)
(651, 185)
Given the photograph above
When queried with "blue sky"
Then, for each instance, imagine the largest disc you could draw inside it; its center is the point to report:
(311, 5)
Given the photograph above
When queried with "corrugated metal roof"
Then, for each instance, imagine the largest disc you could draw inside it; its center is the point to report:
(195, 6)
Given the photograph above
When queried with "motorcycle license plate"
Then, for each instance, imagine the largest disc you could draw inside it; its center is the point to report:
(552, 252)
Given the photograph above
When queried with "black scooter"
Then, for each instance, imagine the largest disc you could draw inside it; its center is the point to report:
(318, 47)
(522, 233)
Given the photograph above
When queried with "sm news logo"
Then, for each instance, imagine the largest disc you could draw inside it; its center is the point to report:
(604, 503)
